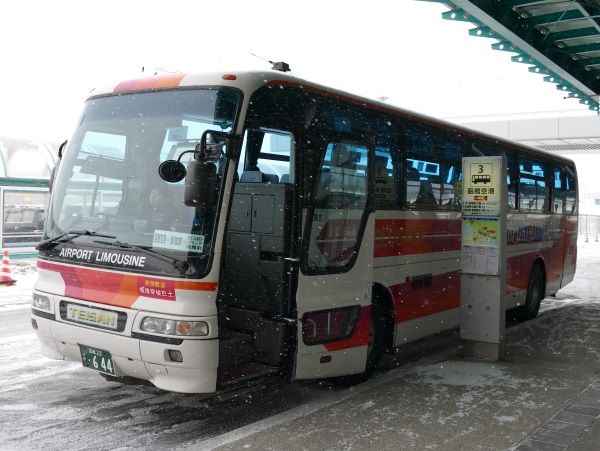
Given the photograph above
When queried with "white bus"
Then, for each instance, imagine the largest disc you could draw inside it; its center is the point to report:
(303, 231)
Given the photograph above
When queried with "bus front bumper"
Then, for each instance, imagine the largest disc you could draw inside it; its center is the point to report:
(136, 358)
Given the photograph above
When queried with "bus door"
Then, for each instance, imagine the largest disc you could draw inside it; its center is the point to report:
(334, 284)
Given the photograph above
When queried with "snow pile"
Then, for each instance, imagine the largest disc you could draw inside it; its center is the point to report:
(23, 267)
(24, 271)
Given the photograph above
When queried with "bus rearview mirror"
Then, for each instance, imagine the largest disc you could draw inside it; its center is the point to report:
(199, 183)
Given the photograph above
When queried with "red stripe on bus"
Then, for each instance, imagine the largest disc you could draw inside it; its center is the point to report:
(360, 336)
(395, 237)
(411, 302)
(118, 289)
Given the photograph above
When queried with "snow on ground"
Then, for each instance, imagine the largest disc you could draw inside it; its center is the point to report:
(16, 332)
(24, 271)
(446, 392)
(441, 401)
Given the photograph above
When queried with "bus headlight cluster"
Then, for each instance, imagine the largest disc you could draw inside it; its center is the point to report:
(40, 301)
(172, 327)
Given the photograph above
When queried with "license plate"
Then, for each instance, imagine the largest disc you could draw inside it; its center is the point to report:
(97, 359)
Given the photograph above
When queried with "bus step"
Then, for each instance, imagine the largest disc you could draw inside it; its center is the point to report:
(235, 348)
(242, 373)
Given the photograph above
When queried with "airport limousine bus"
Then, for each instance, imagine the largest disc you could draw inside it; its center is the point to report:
(206, 228)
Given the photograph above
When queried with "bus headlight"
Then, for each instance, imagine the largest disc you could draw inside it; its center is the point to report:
(41, 302)
(172, 327)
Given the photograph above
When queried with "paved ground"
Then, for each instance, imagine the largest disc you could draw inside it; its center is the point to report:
(543, 395)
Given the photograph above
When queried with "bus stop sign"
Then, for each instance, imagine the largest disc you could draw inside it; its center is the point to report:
(483, 257)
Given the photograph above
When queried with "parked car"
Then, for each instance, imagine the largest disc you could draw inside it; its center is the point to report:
(24, 219)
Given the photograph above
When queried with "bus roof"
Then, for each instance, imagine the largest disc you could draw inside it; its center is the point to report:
(250, 80)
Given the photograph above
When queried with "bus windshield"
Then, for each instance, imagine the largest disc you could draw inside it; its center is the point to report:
(108, 183)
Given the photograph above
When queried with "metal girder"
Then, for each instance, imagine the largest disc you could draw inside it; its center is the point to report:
(575, 33)
(458, 14)
(557, 38)
(553, 18)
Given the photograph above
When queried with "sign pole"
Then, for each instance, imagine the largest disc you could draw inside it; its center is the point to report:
(483, 258)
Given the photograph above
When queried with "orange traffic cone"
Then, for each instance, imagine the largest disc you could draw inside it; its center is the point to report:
(5, 277)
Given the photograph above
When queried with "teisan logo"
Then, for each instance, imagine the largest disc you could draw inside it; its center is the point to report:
(92, 316)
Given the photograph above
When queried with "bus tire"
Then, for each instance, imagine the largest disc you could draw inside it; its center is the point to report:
(535, 292)
(376, 346)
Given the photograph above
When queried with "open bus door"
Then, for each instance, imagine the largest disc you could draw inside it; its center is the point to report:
(334, 285)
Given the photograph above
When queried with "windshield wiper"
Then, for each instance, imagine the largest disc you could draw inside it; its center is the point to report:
(43, 245)
(181, 265)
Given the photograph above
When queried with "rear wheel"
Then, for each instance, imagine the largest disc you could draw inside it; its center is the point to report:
(535, 292)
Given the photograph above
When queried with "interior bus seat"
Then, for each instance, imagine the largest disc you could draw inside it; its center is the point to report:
(251, 177)
(271, 178)
(258, 177)
(285, 178)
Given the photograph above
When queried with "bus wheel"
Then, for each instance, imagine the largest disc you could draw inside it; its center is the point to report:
(376, 347)
(535, 292)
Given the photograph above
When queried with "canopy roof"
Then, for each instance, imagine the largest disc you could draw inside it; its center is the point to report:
(557, 38)
(26, 158)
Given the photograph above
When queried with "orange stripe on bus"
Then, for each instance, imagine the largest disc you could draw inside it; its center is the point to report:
(198, 286)
(118, 289)
(157, 81)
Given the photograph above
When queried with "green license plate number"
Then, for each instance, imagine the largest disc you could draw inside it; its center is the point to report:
(97, 359)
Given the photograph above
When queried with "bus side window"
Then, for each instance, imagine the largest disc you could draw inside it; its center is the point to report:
(512, 180)
(413, 185)
(571, 191)
(451, 174)
(433, 166)
(385, 181)
(558, 191)
(511, 184)
(343, 182)
(533, 187)
(423, 188)
(267, 156)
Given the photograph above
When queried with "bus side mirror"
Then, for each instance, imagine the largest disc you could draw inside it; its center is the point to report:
(171, 171)
(200, 183)
(201, 173)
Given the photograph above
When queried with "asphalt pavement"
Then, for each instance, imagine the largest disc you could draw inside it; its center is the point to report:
(544, 394)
